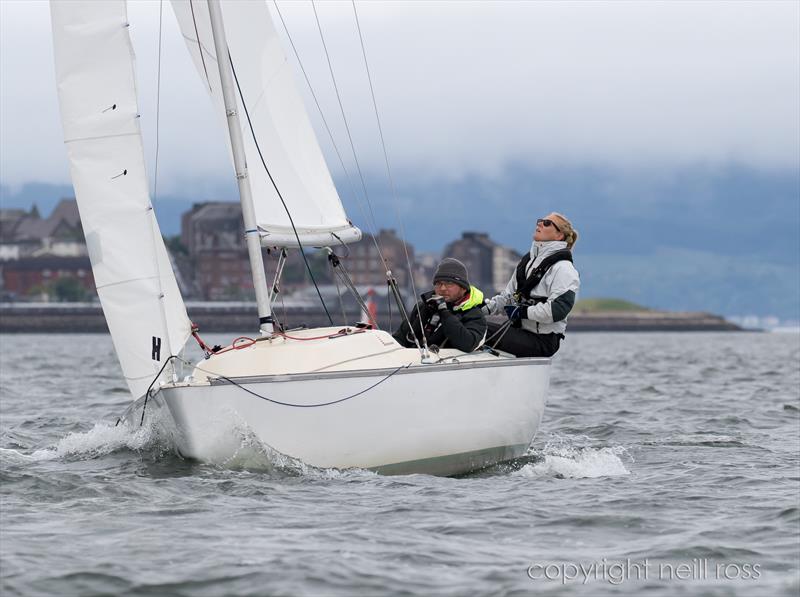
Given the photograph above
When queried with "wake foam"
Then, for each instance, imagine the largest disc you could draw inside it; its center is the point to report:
(158, 435)
(561, 460)
(106, 438)
(257, 456)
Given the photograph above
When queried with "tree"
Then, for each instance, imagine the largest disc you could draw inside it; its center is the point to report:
(68, 290)
(175, 245)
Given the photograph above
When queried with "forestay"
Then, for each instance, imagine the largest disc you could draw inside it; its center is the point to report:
(282, 128)
(132, 271)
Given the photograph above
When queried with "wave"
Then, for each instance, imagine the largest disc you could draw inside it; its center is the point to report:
(102, 439)
(158, 436)
(254, 455)
(561, 459)
(701, 439)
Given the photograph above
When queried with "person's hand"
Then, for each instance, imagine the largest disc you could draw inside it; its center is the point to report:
(437, 302)
(515, 312)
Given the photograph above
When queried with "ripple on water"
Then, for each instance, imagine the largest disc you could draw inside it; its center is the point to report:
(648, 448)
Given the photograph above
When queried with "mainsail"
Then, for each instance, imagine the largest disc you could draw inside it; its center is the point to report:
(132, 271)
(279, 121)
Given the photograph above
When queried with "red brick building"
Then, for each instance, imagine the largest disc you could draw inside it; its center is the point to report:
(44, 258)
(213, 234)
(44, 278)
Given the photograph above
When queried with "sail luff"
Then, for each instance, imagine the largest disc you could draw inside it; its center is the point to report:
(99, 112)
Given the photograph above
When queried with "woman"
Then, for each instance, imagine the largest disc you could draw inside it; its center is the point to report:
(540, 295)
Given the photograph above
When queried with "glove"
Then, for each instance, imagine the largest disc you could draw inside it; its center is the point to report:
(515, 313)
(485, 309)
(436, 302)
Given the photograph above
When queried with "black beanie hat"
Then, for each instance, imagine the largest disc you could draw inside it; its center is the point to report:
(452, 270)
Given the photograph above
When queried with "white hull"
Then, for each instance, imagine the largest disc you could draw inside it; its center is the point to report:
(461, 414)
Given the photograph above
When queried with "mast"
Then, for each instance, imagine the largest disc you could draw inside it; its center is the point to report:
(252, 235)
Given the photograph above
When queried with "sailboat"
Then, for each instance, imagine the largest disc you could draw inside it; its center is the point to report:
(331, 397)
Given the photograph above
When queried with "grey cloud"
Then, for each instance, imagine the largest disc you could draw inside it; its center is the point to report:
(466, 87)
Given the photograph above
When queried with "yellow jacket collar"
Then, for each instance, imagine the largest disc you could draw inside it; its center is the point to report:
(474, 299)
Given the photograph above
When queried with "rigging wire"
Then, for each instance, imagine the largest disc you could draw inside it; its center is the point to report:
(341, 272)
(158, 99)
(347, 128)
(390, 277)
(502, 331)
(277, 191)
(339, 293)
(199, 45)
(371, 224)
(383, 145)
(389, 170)
(327, 127)
(389, 307)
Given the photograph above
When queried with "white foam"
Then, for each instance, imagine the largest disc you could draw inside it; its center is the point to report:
(103, 438)
(577, 463)
(256, 455)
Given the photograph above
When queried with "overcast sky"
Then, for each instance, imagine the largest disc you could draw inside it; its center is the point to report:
(463, 87)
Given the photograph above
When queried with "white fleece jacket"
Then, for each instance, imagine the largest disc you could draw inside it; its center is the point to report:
(559, 286)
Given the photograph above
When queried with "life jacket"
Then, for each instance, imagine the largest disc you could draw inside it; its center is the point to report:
(525, 285)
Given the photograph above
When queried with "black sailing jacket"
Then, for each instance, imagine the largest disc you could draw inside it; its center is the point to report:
(462, 327)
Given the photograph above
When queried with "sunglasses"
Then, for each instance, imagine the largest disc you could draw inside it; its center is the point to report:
(547, 223)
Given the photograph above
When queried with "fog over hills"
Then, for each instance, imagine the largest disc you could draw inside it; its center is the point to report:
(724, 239)
(667, 131)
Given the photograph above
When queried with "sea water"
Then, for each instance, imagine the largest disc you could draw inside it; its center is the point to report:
(666, 463)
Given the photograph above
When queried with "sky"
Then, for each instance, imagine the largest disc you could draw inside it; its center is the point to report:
(463, 88)
(668, 131)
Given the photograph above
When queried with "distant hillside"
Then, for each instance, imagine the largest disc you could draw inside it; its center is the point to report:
(709, 238)
(606, 304)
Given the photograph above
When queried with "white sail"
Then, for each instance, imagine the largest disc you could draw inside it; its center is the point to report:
(282, 128)
(97, 95)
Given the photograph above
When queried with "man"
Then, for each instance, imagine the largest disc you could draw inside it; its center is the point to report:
(540, 294)
(451, 313)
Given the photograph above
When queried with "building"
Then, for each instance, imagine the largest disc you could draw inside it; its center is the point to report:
(489, 264)
(218, 261)
(424, 267)
(44, 258)
(363, 260)
(48, 277)
(213, 234)
(504, 264)
(27, 234)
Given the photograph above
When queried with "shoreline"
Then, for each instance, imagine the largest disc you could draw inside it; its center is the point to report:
(63, 318)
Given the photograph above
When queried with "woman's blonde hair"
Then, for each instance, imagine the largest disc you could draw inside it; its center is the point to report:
(570, 234)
